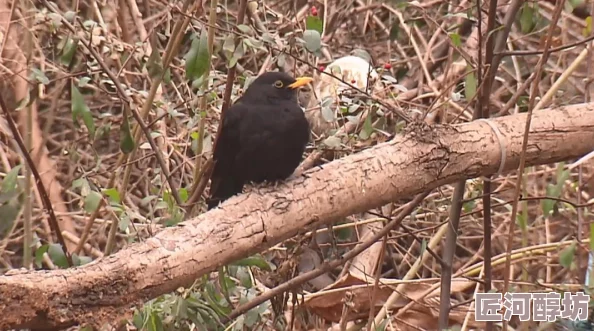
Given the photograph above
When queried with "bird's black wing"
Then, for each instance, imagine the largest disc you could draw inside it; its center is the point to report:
(271, 141)
(225, 182)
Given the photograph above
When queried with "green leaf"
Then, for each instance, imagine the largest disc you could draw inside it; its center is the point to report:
(92, 201)
(548, 204)
(566, 256)
(10, 181)
(469, 206)
(57, 255)
(8, 215)
(252, 316)
(328, 114)
(113, 194)
(84, 81)
(138, 320)
(527, 18)
(237, 54)
(335, 70)
(81, 110)
(160, 205)
(126, 141)
(69, 16)
(561, 176)
(154, 322)
(24, 102)
(180, 308)
(80, 260)
(253, 261)
(570, 5)
(245, 29)
(198, 57)
(332, 142)
(154, 64)
(146, 200)
(367, 129)
(6, 196)
(239, 323)
(39, 254)
(124, 222)
(225, 281)
(68, 51)
(353, 108)
(85, 259)
(183, 194)
(470, 85)
(39, 76)
(359, 52)
(244, 278)
(522, 220)
(588, 28)
(254, 43)
(229, 46)
(423, 247)
(313, 40)
(355, 120)
(167, 76)
(267, 38)
(455, 38)
(314, 23)
(83, 184)
(554, 190)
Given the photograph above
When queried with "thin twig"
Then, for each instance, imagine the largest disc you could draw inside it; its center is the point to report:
(47, 204)
(197, 192)
(172, 46)
(28, 208)
(552, 50)
(229, 83)
(212, 17)
(126, 102)
(448, 254)
(328, 266)
(539, 67)
(230, 75)
(405, 116)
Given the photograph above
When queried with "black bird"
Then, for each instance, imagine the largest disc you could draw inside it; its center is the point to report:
(263, 137)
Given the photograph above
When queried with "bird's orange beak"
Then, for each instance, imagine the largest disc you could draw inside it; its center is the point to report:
(300, 81)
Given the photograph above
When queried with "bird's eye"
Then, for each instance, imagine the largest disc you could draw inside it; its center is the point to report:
(278, 84)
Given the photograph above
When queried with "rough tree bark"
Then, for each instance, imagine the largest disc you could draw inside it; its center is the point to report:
(422, 159)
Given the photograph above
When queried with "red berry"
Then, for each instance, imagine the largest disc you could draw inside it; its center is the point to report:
(314, 11)
(353, 81)
(322, 68)
(387, 66)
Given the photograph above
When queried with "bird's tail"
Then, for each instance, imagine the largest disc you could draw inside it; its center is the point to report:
(221, 189)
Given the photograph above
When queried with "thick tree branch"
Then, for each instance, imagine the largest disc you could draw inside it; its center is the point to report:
(422, 159)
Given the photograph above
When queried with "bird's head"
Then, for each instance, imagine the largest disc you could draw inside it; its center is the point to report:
(275, 85)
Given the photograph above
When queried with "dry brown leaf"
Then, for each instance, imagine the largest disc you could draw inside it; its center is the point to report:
(329, 304)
